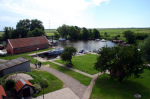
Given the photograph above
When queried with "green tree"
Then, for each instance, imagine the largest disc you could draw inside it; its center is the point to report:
(85, 33)
(56, 35)
(14, 34)
(129, 35)
(105, 34)
(145, 48)
(63, 30)
(73, 32)
(90, 33)
(96, 33)
(35, 23)
(7, 32)
(23, 27)
(67, 54)
(36, 32)
(125, 60)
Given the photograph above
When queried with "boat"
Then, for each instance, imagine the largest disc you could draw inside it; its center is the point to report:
(103, 40)
(81, 51)
(55, 51)
(62, 39)
(96, 51)
(97, 39)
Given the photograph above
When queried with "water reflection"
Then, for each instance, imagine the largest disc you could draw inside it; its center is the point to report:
(87, 45)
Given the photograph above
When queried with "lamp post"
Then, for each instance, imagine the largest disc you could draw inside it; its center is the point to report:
(36, 53)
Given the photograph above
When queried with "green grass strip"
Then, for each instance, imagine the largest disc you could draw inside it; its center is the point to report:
(80, 77)
(105, 88)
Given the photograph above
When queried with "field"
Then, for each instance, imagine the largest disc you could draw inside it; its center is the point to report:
(1, 32)
(105, 88)
(50, 32)
(83, 63)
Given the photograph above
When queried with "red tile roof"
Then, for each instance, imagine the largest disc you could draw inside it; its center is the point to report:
(30, 41)
(20, 83)
(2, 92)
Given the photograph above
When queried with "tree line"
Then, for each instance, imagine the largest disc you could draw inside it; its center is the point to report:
(24, 28)
(75, 32)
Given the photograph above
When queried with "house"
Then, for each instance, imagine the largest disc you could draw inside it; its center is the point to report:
(2, 93)
(15, 65)
(22, 45)
(24, 88)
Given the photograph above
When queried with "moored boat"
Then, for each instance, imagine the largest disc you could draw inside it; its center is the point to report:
(62, 39)
(55, 51)
(103, 40)
(97, 39)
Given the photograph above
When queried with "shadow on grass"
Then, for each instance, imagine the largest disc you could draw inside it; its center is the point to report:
(106, 88)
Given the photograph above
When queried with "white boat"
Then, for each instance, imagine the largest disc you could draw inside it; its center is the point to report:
(103, 40)
(96, 51)
(62, 39)
(97, 39)
(55, 51)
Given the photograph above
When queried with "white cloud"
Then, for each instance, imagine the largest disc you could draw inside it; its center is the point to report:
(58, 11)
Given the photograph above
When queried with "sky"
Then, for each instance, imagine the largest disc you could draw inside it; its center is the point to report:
(82, 13)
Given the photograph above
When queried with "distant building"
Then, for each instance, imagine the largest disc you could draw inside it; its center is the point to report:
(24, 88)
(2, 93)
(22, 45)
(15, 65)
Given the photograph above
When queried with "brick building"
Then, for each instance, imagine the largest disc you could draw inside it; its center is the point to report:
(22, 45)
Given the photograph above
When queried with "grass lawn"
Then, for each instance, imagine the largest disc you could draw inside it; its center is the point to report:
(53, 82)
(105, 88)
(81, 78)
(83, 62)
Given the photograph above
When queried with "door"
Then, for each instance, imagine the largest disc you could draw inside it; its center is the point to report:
(26, 92)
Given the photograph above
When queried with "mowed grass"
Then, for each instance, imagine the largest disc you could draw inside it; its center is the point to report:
(81, 78)
(54, 83)
(83, 63)
(105, 88)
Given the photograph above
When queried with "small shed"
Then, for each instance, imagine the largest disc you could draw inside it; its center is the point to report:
(16, 65)
(24, 88)
(2, 93)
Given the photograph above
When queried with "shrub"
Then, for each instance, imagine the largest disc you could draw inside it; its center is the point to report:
(10, 84)
(44, 84)
(37, 87)
(35, 95)
(118, 35)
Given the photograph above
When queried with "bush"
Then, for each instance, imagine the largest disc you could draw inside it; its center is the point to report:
(35, 95)
(10, 84)
(37, 87)
(118, 35)
(44, 84)
(141, 36)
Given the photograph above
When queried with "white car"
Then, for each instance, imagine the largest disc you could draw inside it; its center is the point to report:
(2, 53)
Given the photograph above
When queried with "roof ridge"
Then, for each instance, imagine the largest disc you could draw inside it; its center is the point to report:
(23, 82)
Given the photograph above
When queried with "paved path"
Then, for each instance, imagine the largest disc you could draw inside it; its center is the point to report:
(72, 83)
(64, 93)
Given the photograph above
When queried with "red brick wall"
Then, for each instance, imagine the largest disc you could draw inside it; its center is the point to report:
(29, 48)
(9, 48)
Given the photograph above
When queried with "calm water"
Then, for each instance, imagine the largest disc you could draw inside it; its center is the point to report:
(88, 45)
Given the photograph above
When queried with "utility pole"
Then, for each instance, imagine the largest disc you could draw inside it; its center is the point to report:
(49, 26)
